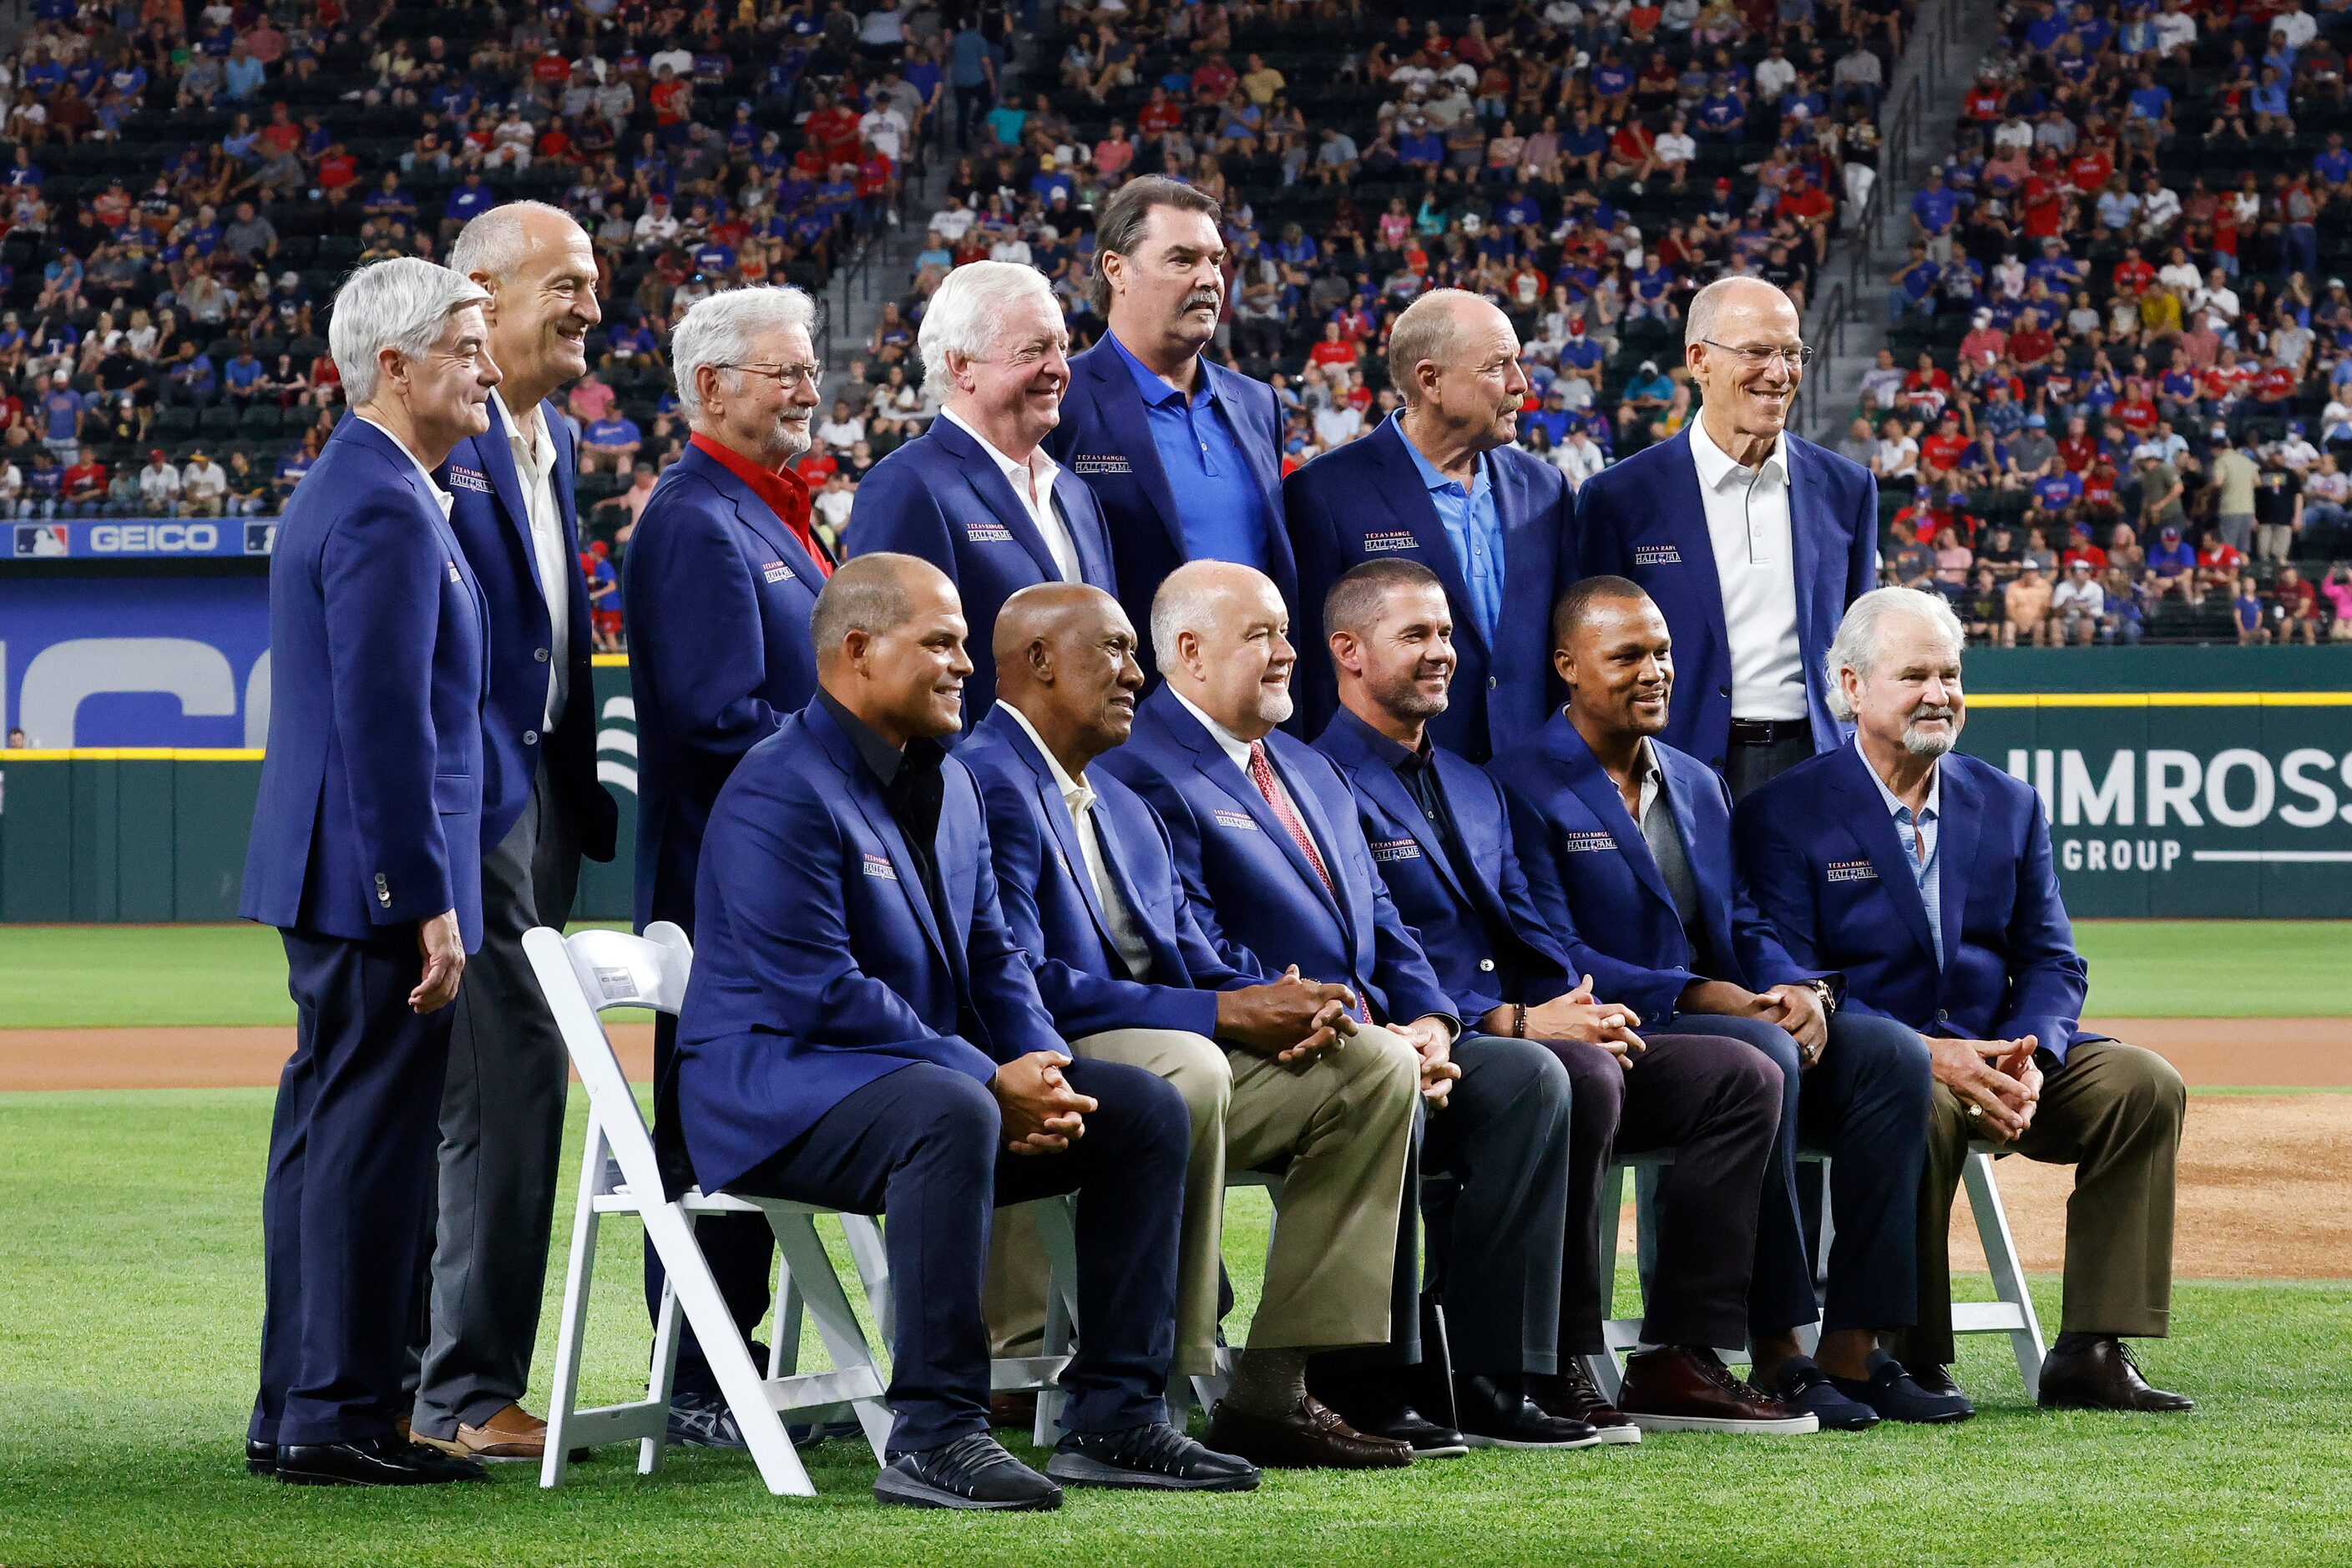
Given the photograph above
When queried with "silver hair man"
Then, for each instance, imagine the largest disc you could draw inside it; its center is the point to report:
(718, 332)
(403, 304)
(496, 241)
(967, 314)
(1859, 637)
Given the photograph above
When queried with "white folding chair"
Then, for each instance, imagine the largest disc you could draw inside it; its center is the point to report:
(2012, 1313)
(581, 976)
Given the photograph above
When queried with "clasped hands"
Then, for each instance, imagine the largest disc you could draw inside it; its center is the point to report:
(1294, 1020)
(1997, 1080)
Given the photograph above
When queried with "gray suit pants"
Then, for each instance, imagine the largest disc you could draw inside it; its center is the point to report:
(501, 1136)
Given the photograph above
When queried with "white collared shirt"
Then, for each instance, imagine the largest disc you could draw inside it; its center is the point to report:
(1033, 481)
(1238, 750)
(535, 466)
(444, 497)
(1079, 796)
(1747, 522)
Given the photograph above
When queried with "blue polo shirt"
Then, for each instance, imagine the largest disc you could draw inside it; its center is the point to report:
(1473, 527)
(1219, 506)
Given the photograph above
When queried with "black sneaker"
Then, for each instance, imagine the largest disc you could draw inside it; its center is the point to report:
(1890, 1391)
(974, 1471)
(388, 1460)
(703, 1421)
(1153, 1457)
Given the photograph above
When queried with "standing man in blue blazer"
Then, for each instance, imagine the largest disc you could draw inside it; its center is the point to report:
(861, 1031)
(1626, 844)
(1277, 869)
(1925, 876)
(502, 1105)
(1442, 839)
(1750, 538)
(367, 856)
(976, 495)
(1269, 1067)
(1441, 483)
(721, 576)
(1184, 456)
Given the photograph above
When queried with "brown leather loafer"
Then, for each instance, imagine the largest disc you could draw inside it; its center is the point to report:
(1311, 1438)
(512, 1433)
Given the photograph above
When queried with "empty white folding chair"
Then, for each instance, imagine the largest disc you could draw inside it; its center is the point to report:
(2010, 1314)
(579, 976)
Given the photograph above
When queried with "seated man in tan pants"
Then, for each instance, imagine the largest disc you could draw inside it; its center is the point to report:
(1926, 877)
(1274, 1071)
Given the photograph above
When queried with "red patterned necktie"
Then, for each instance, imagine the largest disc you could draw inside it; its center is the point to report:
(1261, 773)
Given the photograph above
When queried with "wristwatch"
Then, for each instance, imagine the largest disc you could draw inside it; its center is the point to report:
(1828, 996)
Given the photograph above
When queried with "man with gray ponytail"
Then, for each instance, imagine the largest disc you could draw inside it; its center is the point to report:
(1925, 876)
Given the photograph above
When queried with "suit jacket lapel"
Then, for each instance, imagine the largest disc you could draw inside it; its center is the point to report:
(1867, 818)
(1223, 386)
(1594, 786)
(1213, 764)
(1686, 516)
(989, 482)
(761, 518)
(1380, 781)
(566, 475)
(498, 462)
(1405, 494)
(867, 797)
(1058, 813)
(1804, 544)
(1082, 517)
(1319, 828)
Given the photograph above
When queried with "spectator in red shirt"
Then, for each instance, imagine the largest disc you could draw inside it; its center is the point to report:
(2133, 273)
(85, 482)
(281, 134)
(1214, 79)
(1158, 116)
(2274, 384)
(673, 99)
(1335, 348)
(2032, 345)
(2077, 448)
(2080, 548)
(2218, 563)
(2089, 169)
(1941, 451)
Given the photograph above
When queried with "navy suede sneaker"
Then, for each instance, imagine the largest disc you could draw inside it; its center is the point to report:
(1803, 1385)
(1891, 1391)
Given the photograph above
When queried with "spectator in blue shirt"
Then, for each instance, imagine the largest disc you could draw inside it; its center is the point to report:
(1720, 113)
(1914, 289)
(242, 75)
(61, 411)
(1933, 210)
(1422, 148)
(612, 443)
(243, 377)
(469, 201)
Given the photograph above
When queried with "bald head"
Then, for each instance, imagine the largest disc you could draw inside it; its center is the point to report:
(1454, 359)
(540, 271)
(890, 634)
(1065, 656)
(1220, 633)
(1745, 389)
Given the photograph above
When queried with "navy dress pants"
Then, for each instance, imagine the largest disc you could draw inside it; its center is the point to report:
(925, 1148)
(345, 1215)
(1865, 1105)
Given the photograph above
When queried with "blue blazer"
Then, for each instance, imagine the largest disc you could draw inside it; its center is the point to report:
(492, 521)
(717, 595)
(820, 964)
(1053, 910)
(1104, 438)
(943, 498)
(1600, 889)
(1456, 924)
(1252, 891)
(369, 813)
(1644, 519)
(1819, 849)
(1368, 501)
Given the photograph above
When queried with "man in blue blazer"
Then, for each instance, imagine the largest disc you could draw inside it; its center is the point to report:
(1441, 483)
(721, 576)
(1185, 457)
(1750, 538)
(1270, 1069)
(1626, 845)
(1442, 839)
(367, 854)
(502, 1105)
(1926, 877)
(976, 495)
(861, 1031)
(1277, 868)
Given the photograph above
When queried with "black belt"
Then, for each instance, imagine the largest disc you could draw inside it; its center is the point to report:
(1770, 731)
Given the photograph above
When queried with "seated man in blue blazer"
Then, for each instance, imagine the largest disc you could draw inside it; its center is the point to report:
(1626, 845)
(862, 1032)
(1270, 1069)
(1750, 538)
(366, 854)
(722, 574)
(1442, 483)
(1926, 877)
(976, 495)
(1278, 872)
(1442, 839)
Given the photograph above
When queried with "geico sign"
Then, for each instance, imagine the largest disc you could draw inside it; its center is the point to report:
(2239, 787)
(159, 538)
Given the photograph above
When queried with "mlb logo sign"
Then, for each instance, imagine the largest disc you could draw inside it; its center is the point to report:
(41, 539)
(260, 538)
(1393, 538)
(1852, 871)
(1657, 555)
(879, 866)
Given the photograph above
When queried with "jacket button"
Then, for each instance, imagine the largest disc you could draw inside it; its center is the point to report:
(1492, 682)
(1942, 1015)
(540, 653)
(1716, 762)
(1485, 966)
(531, 737)
(1723, 690)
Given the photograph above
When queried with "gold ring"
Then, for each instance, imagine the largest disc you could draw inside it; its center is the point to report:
(1976, 1113)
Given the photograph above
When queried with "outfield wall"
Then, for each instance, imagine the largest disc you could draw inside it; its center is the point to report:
(2180, 782)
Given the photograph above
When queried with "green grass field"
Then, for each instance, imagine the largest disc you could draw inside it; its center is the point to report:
(157, 976)
(130, 1277)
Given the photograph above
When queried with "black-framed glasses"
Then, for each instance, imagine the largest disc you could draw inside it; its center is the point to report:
(1796, 359)
(787, 376)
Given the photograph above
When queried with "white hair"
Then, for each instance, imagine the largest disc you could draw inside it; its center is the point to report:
(718, 330)
(967, 313)
(1698, 316)
(493, 243)
(401, 303)
(1186, 602)
(1859, 636)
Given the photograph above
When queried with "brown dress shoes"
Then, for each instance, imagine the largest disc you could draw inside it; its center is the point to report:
(512, 1433)
(2099, 1374)
(1311, 1438)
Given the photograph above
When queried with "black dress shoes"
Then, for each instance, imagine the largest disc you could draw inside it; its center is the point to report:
(260, 1458)
(2097, 1373)
(1938, 1380)
(1572, 1393)
(1377, 1410)
(1495, 1414)
(973, 1472)
(389, 1460)
(1155, 1458)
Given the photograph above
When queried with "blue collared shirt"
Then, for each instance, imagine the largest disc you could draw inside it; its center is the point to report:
(1219, 506)
(1919, 836)
(1473, 527)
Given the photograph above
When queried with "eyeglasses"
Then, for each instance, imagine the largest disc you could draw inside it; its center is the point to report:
(1797, 358)
(787, 376)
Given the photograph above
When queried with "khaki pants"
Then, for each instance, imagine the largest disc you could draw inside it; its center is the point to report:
(1340, 1127)
(2113, 1112)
